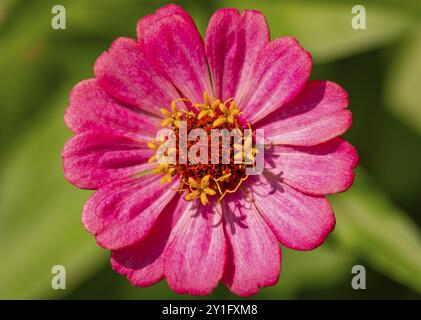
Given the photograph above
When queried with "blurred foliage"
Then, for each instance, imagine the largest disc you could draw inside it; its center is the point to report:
(331, 35)
(403, 94)
(378, 219)
(38, 226)
(379, 232)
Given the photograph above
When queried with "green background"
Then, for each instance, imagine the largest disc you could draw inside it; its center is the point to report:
(378, 219)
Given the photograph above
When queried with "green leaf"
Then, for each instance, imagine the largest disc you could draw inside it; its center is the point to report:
(315, 270)
(324, 28)
(4, 12)
(381, 233)
(402, 93)
(40, 224)
(95, 17)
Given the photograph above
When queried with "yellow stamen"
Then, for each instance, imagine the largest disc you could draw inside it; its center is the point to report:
(200, 189)
(230, 114)
(233, 190)
(206, 98)
(205, 113)
(166, 170)
(192, 195)
(173, 116)
(154, 145)
(152, 159)
(206, 108)
(219, 121)
(245, 152)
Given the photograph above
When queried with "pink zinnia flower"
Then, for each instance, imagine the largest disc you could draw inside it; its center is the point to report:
(196, 225)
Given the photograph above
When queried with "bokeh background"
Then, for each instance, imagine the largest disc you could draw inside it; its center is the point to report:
(378, 219)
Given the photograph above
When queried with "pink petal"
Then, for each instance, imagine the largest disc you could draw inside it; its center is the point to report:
(167, 10)
(321, 169)
(93, 159)
(92, 109)
(254, 255)
(280, 73)
(232, 42)
(122, 213)
(143, 262)
(299, 221)
(317, 115)
(195, 256)
(175, 46)
(125, 73)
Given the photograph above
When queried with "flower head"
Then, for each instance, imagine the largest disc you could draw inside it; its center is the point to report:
(196, 223)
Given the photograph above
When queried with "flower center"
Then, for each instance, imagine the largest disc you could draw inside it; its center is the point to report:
(210, 151)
